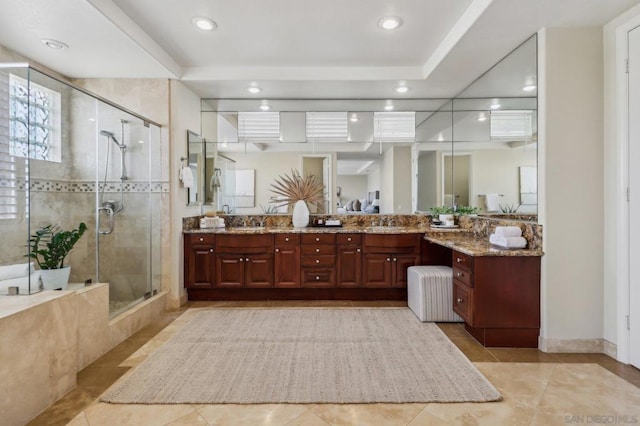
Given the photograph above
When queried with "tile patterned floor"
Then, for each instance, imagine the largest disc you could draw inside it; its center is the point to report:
(538, 388)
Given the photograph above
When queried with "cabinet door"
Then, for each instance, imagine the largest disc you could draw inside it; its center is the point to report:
(258, 270)
(229, 270)
(401, 263)
(287, 266)
(349, 267)
(200, 267)
(376, 271)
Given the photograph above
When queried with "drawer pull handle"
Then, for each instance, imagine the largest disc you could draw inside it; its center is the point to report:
(241, 260)
(277, 250)
(358, 250)
(201, 239)
(287, 239)
(460, 300)
(395, 260)
(317, 278)
(349, 239)
(317, 250)
(247, 259)
(459, 260)
(210, 250)
(459, 274)
(388, 259)
(317, 239)
(317, 260)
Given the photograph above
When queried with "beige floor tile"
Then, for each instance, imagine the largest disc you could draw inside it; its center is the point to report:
(509, 411)
(103, 414)
(308, 419)
(424, 418)
(190, 419)
(473, 350)
(522, 381)
(367, 414)
(256, 414)
(79, 420)
(585, 391)
(454, 330)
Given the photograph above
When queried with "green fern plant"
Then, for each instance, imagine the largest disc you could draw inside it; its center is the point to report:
(466, 210)
(509, 208)
(440, 210)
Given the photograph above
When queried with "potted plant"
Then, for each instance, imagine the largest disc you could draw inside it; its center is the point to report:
(49, 246)
(467, 211)
(444, 213)
(297, 191)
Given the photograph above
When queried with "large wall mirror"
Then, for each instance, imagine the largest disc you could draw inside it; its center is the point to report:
(478, 149)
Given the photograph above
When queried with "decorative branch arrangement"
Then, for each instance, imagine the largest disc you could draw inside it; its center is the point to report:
(290, 189)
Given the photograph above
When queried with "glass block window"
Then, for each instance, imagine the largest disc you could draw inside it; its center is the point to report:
(34, 121)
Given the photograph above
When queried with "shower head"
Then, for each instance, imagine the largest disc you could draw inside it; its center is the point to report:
(113, 138)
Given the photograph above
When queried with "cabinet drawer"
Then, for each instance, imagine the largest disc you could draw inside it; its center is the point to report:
(318, 249)
(196, 239)
(318, 238)
(462, 260)
(320, 260)
(463, 301)
(244, 241)
(287, 239)
(463, 275)
(347, 239)
(318, 277)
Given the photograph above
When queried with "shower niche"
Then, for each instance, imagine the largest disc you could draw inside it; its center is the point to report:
(68, 156)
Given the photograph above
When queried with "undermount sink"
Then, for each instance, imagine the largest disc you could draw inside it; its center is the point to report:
(247, 228)
(385, 228)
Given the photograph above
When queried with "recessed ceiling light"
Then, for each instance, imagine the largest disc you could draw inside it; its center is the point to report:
(353, 118)
(54, 44)
(265, 107)
(390, 23)
(402, 89)
(204, 23)
(140, 141)
(388, 107)
(254, 89)
(482, 117)
(495, 106)
(529, 88)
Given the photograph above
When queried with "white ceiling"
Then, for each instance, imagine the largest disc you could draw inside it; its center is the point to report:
(301, 48)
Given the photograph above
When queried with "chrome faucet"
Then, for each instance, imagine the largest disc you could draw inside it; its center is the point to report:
(228, 209)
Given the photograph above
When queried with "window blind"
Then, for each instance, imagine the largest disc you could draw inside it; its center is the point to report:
(394, 126)
(8, 183)
(326, 126)
(259, 126)
(515, 124)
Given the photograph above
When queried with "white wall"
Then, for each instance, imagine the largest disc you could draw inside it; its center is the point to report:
(386, 185)
(373, 180)
(353, 187)
(428, 182)
(571, 183)
(402, 180)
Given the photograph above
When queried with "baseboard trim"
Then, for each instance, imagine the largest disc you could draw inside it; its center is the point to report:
(611, 349)
(546, 344)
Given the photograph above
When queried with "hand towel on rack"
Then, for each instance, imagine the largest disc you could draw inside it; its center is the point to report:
(508, 242)
(508, 231)
(491, 200)
(186, 176)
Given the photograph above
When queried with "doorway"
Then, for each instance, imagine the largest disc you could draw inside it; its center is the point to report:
(456, 179)
(633, 77)
(320, 166)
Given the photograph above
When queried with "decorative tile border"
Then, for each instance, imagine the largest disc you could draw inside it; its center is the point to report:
(41, 185)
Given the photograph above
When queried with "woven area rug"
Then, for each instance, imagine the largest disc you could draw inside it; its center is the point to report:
(310, 355)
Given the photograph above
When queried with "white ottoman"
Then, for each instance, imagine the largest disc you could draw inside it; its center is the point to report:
(430, 293)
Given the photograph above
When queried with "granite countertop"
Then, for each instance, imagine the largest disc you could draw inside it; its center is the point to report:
(465, 242)
(310, 230)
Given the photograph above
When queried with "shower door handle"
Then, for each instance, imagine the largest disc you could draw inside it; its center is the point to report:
(109, 211)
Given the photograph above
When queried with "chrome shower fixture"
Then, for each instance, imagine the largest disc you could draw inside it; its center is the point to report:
(113, 138)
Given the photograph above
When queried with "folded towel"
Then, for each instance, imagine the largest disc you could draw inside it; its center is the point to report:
(491, 200)
(22, 283)
(15, 271)
(186, 176)
(508, 231)
(508, 242)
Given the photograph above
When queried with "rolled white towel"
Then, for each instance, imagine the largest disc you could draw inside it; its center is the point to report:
(16, 271)
(508, 242)
(22, 283)
(508, 231)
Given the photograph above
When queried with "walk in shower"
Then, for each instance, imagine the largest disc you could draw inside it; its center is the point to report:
(68, 156)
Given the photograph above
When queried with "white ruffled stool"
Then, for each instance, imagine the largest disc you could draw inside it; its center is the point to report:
(430, 293)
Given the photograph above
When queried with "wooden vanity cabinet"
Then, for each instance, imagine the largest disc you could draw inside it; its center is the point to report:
(387, 258)
(244, 261)
(498, 297)
(349, 253)
(199, 265)
(287, 260)
(318, 260)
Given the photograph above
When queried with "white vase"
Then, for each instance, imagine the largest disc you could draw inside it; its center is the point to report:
(300, 214)
(54, 279)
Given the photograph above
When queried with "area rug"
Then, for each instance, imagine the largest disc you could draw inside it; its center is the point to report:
(254, 356)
